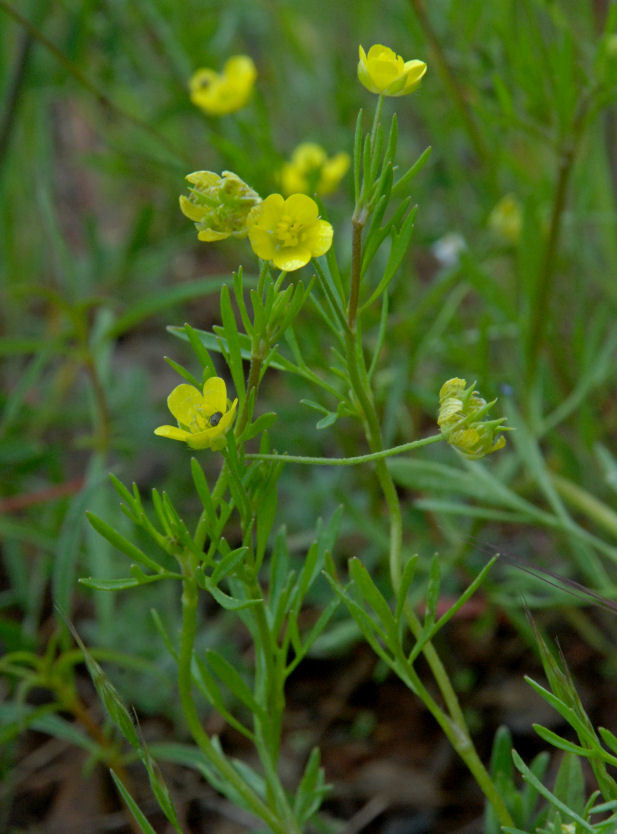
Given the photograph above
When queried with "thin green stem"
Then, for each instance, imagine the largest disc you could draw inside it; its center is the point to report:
(335, 303)
(351, 461)
(201, 738)
(454, 725)
(451, 82)
(270, 697)
(357, 224)
(85, 82)
(539, 310)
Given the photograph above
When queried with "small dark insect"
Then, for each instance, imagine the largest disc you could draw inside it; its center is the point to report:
(215, 419)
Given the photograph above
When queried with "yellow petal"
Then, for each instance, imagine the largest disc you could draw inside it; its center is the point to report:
(191, 210)
(333, 172)
(262, 243)
(291, 258)
(201, 80)
(227, 418)
(241, 67)
(268, 213)
(203, 179)
(302, 209)
(215, 396)
(309, 155)
(208, 235)
(384, 73)
(172, 432)
(183, 402)
(292, 181)
(319, 238)
(200, 440)
(378, 51)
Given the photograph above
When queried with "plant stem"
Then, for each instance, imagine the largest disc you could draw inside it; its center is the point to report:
(351, 461)
(356, 268)
(450, 80)
(201, 738)
(454, 724)
(539, 309)
(73, 70)
(270, 696)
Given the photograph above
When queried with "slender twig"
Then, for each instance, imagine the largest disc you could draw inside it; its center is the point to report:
(352, 461)
(450, 80)
(356, 270)
(86, 83)
(539, 309)
(12, 99)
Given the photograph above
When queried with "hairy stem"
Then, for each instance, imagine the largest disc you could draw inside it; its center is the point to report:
(201, 738)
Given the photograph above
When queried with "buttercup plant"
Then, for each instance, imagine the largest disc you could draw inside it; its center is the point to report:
(289, 234)
(231, 552)
(243, 582)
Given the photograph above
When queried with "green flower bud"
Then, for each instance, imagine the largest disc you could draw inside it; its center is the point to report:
(218, 205)
(461, 413)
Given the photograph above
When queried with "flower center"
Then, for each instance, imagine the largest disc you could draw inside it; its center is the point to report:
(288, 230)
(199, 421)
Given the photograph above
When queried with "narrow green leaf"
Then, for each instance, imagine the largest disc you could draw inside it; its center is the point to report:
(133, 807)
(432, 592)
(122, 544)
(227, 602)
(529, 776)
(121, 584)
(184, 373)
(227, 564)
(232, 680)
(230, 331)
(372, 595)
(402, 184)
(262, 423)
(200, 351)
(407, 577)
(562, 743)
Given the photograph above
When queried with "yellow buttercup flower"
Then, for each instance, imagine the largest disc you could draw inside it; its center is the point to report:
(506, 218)
(288, 232)
(461, 412)
(203, 418)
(383, 71)
(310, 171)
(218, 205)
(220, 93)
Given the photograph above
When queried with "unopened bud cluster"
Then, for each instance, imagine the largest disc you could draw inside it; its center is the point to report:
(218, 205)
(461, 420)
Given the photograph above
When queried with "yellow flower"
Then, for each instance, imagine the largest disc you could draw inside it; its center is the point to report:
(383, 71)
(220, 93)
(217, 205)
(288, 232)
(310, 170)
(506, 219)
(203, 419)
(461, 410)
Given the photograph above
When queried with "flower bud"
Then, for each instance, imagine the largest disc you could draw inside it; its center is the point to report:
(218, 205)
(461, 413)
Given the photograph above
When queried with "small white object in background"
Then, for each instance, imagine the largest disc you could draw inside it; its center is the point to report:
(447, 249)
